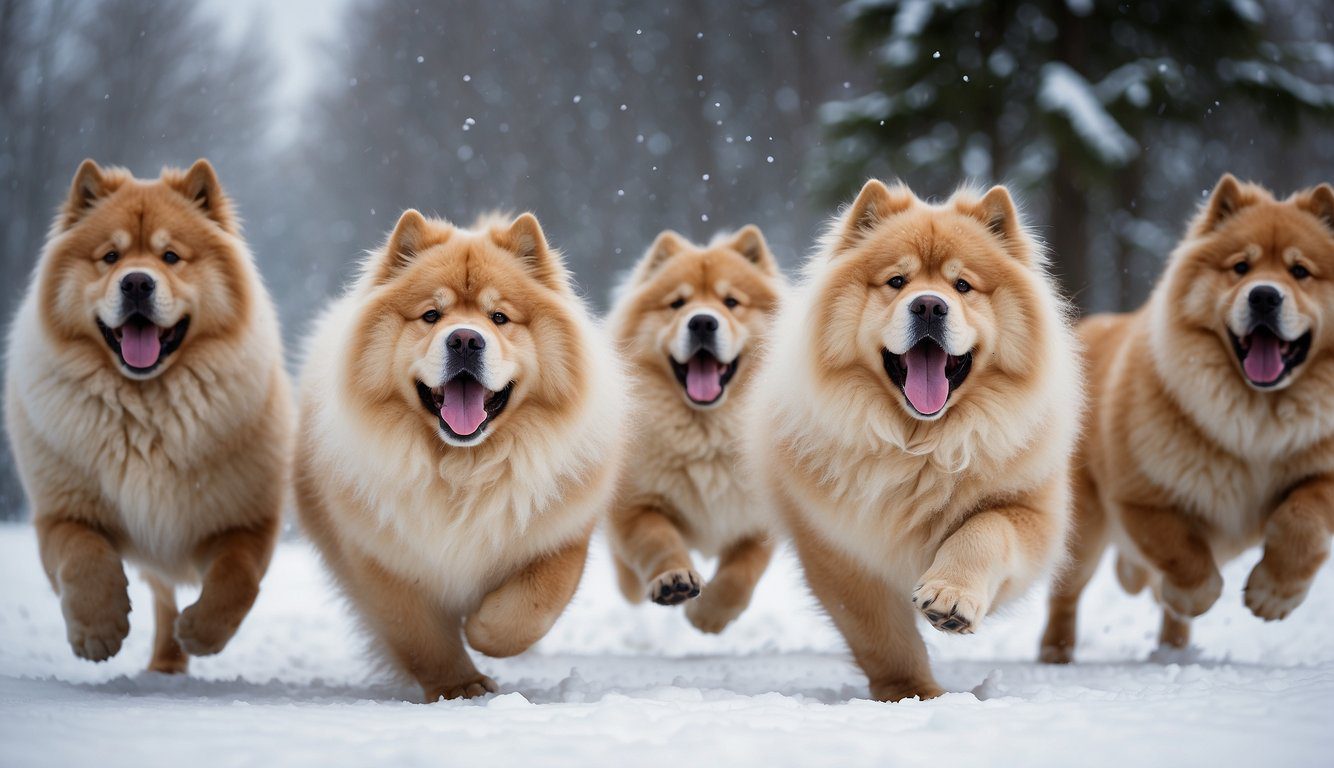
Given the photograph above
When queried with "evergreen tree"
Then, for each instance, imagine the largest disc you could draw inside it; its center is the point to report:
(1064, 99)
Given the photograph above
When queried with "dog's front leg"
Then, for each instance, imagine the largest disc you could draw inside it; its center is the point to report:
(1173, 543)
(1296, 545)
(521, 610)
(86, 571)
(233, 562)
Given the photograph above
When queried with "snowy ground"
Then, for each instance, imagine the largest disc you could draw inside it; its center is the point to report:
(613, 682)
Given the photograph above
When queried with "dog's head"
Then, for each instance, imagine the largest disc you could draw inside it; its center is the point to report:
(468, 329)
(694, 314)
(928, 299)
(144, 269)
(1254, 281)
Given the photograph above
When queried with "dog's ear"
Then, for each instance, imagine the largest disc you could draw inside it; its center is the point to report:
(200, 186)
(875, 203)
(1228, 197)
(1319, 202)
(749, 242)
(524, 238)
(412, 234)
(90, 185)
(665, 246)
(997, 211)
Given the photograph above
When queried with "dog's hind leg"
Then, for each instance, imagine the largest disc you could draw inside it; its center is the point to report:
(1088, 540)
(1174, 633)
(168, 657)
(627, 580)
(728, 593)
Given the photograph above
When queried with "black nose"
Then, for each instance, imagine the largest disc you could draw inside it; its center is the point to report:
(465, 340)
(137, 286)
(1264, 299)
(702, 324)
(930, 306)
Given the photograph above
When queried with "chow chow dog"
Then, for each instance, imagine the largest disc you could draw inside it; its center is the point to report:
(461, 427)
(1212, 420)
(149, 411)
(690, 321)
(915, 420)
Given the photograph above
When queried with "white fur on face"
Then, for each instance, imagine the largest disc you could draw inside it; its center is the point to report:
(1292, 323)
(167, 308)
(898, 337)
(497, 372)
(727, 342)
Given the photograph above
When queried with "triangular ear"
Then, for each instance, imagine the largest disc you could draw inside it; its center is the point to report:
(524, 238)
(1318, 202)
(411, 235)
(875, 203)
(665, 246)
(996, 210)
(1227, 198)
(749, 242)
(89, 186)
(200, 186)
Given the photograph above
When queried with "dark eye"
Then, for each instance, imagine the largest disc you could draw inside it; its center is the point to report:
(499, 318)
(431, 317)
(1300, 272)
(1241, 267)
(678, 304)
(170, 257)
(111, 257)
(962, 286)
(897, 281)
(730, 302)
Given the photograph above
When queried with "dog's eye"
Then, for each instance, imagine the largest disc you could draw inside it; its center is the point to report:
(111, 257)
(170, 257)
(1241, 267)
(432, 317)
(962, 286)
(897, 281)
(1300, 272)
(499, 318)
(730, 302)
(677, 304)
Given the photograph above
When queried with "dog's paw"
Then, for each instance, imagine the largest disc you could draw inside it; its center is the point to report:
(898, 690)
(202, 634)
(674, 587)
(711, 613)
(1056, 654)
(468, 688)
(1270, 597)
(949, 607)
(96, 627)
(1189, 602)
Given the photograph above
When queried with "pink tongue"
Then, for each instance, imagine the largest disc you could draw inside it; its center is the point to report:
(704, 379)
(139, 344)
(926, 385)
(464, 408)
(1264, 360)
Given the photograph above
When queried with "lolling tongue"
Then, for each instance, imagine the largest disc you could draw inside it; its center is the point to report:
(139, 344)
(464, 408)
(704, 378)
(926, 385)
(1264, 360)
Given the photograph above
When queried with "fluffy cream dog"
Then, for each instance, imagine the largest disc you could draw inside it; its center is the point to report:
(1212, 427)
(915, 420)
(149, 410)
(691, 322)
(462, 420)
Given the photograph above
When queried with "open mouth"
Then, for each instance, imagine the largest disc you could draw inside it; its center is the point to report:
(704, 377)
(927, 374)
(141, 344)
(464, 407)
(1266, 358)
